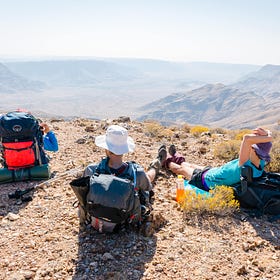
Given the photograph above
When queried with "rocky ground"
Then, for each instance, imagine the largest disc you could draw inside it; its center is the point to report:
(40, 239)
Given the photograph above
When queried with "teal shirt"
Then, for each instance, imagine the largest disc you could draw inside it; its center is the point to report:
(229, 173)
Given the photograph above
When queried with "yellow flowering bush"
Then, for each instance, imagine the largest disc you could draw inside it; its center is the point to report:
(197, 130)
(221, 201)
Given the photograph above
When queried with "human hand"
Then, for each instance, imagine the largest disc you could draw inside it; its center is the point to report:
(261, 132)
(45, 127)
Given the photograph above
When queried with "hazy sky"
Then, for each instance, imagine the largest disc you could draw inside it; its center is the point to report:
(232, 31)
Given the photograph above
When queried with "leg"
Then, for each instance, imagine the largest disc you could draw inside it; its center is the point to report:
(186, 169)
(151, 173)
(180, 170)
(192, 165)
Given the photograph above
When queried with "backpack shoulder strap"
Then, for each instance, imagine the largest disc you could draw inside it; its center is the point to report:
(245, 178)
(132, 170)
(101, 167)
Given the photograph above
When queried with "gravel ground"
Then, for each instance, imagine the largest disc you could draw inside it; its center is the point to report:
(40, 239)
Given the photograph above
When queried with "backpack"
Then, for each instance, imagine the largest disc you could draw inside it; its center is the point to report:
(111, 199)
(261, 194)
(22, 141)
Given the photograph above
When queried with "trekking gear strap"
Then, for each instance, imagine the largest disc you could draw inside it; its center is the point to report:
(37, 151)
(134, 176)
(247, 177)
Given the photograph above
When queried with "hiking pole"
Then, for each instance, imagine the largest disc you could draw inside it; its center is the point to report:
(63, 175)
(18, 194)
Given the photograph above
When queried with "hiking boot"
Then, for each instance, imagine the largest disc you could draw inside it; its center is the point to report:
(162, 154)
(147, 229)
(144, 210)
(156, 164)
(172, 150)
(160, 160)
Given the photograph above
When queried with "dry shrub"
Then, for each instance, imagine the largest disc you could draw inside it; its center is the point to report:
(167, 133)
(227, 150)
(274, 165)
(173, 128)
(220, 202)
(154, 129)
(197, 130)
(218, 130)
(239, 134)
(186, 128)
(83, 122)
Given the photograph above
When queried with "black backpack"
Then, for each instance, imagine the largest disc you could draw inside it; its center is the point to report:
(108, 197)
(261, 194)
(22, 141)
(113, 199)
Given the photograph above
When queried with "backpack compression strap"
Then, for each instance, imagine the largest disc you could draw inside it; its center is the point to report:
(131, 172)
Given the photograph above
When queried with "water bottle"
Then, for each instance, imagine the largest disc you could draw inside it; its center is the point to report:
(180, 188)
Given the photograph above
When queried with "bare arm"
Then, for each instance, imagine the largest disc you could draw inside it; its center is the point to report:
(258, 135)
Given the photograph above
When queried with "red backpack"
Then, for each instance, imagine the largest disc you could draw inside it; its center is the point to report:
(22, 140)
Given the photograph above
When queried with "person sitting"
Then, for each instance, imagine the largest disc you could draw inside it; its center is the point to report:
(116, 143)
(49, 138)
(254, 152)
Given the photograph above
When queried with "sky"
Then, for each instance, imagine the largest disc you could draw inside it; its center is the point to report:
(222, 31)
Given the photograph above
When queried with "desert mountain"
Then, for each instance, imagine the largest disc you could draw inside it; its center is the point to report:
(205, 72)
(79, 73)
(245, 96)
(12, 83)
(114, 72)
(251, 102)
(264, 81)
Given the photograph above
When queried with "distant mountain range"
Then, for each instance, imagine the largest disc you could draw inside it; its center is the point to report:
(116, 72)
(253, 101)
(85, 73)
(212, 94)
(266, 80)
(12, 83)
